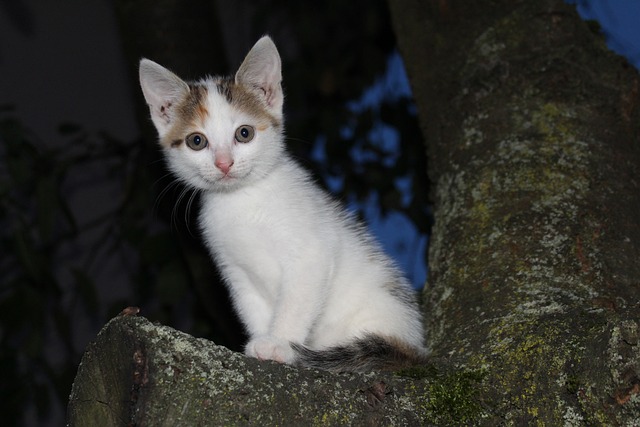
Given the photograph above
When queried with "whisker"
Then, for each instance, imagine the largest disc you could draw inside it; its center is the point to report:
(174, 215)
(194, 193)
(163, 193)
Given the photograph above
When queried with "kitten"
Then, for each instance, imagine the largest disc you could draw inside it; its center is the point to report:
(308, 282)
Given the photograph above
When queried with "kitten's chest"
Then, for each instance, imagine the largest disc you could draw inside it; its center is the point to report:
(248, 231)
(234, 216)
(250, 239)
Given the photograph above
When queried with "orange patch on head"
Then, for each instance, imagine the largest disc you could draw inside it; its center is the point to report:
(191, 113)
(194, 109)
(202, 113)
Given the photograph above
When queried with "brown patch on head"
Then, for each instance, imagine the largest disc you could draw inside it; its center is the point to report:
(193, 108)
(247, 99)
(191, 112)
(202, 112)
(224, 88)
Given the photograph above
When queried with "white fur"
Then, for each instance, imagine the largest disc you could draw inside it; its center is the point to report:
(299, 269)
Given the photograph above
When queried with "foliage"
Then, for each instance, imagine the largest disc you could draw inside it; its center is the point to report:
(35, 219)
(51, 257)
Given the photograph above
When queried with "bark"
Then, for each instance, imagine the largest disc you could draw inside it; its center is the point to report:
(532, 133)
(137, 373)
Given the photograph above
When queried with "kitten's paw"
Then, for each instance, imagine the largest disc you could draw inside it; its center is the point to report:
(268, 347)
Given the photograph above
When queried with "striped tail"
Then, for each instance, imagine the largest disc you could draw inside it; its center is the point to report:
(370, 353)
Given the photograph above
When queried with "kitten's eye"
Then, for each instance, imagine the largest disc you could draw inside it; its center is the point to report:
(196, 141)
(245, 133)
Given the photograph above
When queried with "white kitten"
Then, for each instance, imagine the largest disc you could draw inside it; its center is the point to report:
(309, 283)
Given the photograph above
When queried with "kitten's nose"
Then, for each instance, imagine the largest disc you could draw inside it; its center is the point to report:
(224, 165)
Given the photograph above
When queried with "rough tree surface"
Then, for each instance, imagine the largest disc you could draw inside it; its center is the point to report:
(138, 373)
(532, 133)
(533, 300)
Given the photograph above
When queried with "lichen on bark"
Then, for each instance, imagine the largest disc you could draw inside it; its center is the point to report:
(530, 136)
(145, 374)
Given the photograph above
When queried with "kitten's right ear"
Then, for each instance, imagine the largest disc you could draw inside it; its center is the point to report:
(162, 90)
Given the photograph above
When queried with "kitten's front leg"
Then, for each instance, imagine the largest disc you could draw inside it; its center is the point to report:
(299, 303)
(269, 347)
(257, 316)
(254, 311)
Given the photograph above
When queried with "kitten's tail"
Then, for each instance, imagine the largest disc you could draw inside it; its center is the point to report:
(370, 353)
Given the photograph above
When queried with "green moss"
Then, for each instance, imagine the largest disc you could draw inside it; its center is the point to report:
(451, 398)
(454, 400)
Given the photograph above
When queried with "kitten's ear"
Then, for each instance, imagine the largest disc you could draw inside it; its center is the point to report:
(162, 90)
(261, 70)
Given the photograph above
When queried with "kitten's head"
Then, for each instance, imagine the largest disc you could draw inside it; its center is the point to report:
(219, 133)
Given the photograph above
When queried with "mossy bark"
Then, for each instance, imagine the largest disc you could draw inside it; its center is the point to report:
(138, 373)
(534, 265)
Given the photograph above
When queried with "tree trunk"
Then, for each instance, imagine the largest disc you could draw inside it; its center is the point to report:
(534, 274)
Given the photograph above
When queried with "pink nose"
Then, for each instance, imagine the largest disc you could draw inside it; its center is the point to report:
(224, 165)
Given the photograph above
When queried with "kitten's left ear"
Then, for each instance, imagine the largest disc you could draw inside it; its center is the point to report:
(261, 70)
